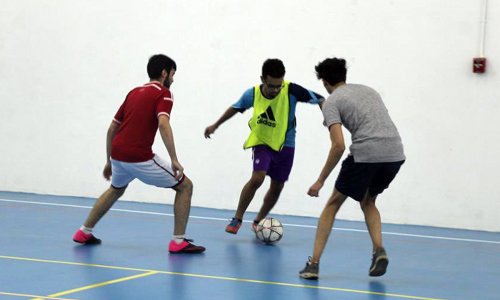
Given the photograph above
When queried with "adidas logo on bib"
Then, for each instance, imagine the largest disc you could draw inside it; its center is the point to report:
(267, 118)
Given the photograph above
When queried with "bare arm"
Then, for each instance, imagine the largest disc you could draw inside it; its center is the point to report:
(112, 130)
(334, 156)
(228, 114)
(168, 140)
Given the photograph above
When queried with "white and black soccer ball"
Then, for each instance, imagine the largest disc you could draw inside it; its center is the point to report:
(269, 230)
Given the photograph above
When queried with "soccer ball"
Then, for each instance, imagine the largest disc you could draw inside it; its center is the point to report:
(269, 230)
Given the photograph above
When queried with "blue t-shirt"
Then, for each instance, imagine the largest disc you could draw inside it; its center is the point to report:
(296, 93)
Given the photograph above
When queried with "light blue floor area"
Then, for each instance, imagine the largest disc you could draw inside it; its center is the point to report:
(38, 257)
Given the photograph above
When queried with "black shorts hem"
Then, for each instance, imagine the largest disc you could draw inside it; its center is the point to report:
(119, 188)
(350, 194)
(178, 182)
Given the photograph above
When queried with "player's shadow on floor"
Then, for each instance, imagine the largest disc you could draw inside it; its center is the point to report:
(377, 287)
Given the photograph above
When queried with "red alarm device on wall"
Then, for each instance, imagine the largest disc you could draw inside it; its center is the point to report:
(479, 65)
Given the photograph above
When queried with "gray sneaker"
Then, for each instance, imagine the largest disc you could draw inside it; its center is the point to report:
(379, 263)
(310, 271)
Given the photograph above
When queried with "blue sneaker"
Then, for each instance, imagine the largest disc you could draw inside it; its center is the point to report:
(233, 226)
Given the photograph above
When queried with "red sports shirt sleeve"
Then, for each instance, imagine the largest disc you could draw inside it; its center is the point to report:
(165, 103)
(120, 114)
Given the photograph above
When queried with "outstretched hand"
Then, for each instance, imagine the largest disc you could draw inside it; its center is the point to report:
(314, 189)
(178, 170)
(107, 171)
(209, 130)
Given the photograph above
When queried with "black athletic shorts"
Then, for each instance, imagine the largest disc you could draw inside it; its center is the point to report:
(356, 178)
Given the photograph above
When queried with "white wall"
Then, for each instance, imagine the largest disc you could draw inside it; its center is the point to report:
(65, 67)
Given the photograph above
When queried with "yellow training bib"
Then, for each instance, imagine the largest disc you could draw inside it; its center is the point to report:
(269, 122)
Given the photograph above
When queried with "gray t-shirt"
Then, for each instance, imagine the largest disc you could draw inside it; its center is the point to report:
(361, 110)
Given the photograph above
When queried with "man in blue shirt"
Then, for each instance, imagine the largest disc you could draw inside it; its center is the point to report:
(273, 151)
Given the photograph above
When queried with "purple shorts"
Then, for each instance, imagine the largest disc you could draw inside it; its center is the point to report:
(276, 164)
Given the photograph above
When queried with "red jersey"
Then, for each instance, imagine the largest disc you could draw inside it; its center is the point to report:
(138, 119)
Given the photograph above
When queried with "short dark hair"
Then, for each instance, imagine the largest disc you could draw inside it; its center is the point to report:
(273, 67)
(158, 63)
(332, 70)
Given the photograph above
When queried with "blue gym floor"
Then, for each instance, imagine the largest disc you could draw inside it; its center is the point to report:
(38, 259)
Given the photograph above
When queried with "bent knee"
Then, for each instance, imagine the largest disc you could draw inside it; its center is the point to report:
(367, 203)
(117, 192)
(185, 185)
(334, 201)
(257, 178)
(187, 182)
(337, 199)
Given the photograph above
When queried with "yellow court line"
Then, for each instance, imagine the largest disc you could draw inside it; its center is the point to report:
(88, 287)
(223, 278)
(71, 263)
(31, 296)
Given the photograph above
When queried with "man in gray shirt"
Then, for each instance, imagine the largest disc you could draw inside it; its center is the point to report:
(376, 155)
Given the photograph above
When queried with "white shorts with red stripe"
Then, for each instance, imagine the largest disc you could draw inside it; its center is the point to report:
(156, 171)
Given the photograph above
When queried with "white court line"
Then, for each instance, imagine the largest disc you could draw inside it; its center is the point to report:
(225, 219)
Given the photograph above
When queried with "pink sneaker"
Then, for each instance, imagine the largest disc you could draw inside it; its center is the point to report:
(84, 238)
(184, 247)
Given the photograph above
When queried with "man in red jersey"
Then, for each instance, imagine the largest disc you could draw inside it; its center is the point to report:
(129, 155)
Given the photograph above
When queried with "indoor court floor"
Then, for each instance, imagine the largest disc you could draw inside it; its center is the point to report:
(39, 260)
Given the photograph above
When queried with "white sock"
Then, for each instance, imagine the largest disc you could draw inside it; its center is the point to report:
(178, 239)
(86, 230)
